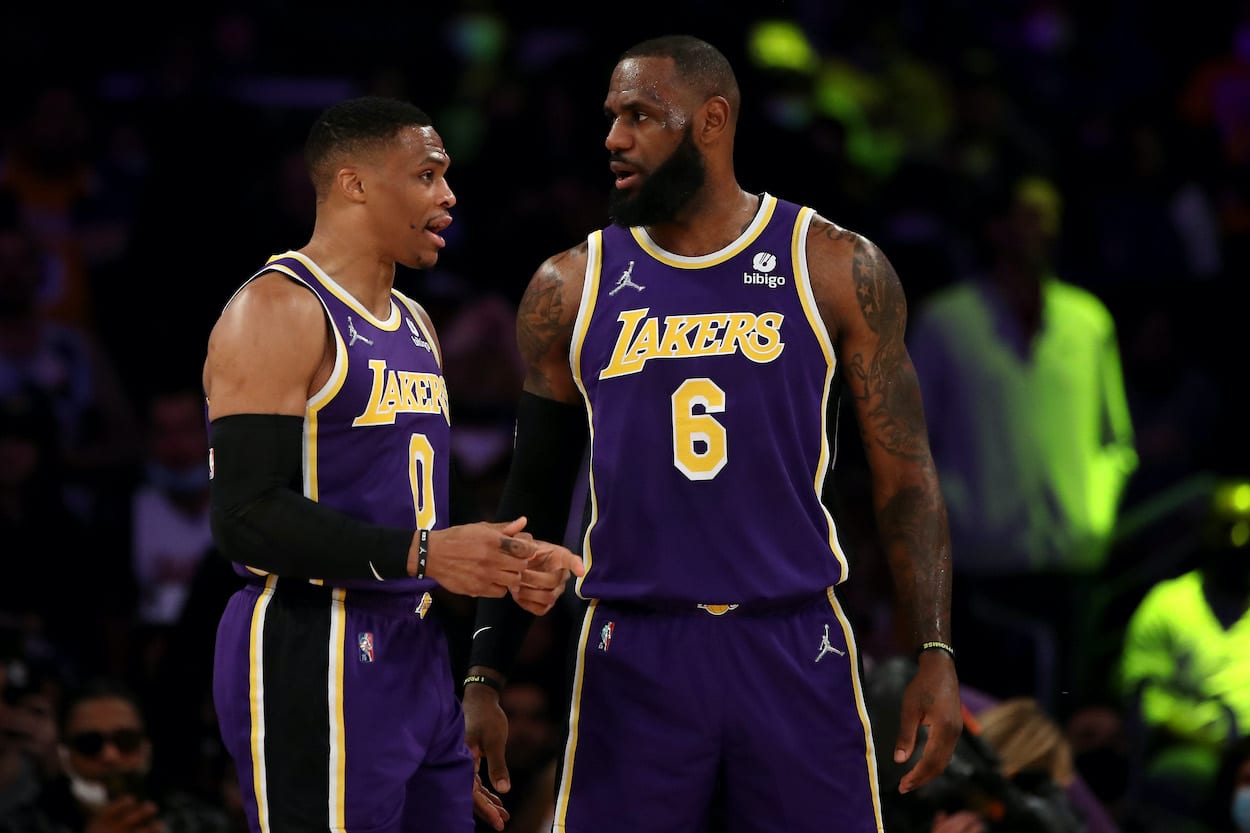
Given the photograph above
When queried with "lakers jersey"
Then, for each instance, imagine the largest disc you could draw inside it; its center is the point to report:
(377, 436)
(707, 381)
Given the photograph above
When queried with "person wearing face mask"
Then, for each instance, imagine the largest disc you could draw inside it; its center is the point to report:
(170, 509)
(1228, 805)
(106, 783)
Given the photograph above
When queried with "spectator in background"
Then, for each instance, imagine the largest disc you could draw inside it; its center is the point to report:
(1025, 400)
(1035, 756)
(483, 372)
(1215, 100)
(1229, 804)
(51, 173)
(1185, 668)
(30, 693)
(169, 515)
(93, 416)
(1012, 771)
(107, 783)
(170, 543)
(43, 538)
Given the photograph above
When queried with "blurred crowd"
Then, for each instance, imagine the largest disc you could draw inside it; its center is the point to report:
(1086, 161)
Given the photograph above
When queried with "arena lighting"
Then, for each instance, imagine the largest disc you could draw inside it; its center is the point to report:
(781, 44)
(1230, 514)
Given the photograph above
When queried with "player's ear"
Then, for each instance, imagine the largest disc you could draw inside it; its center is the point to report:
(349, 183)
(713, 118)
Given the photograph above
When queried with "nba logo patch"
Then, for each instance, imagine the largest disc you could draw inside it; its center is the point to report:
(605, 636)
(365, 642)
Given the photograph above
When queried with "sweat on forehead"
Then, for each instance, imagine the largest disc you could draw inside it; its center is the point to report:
(639, 87)
(653, 83)
(697, 65)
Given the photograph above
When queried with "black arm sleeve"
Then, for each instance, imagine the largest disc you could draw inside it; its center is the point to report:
(550, 441)
(260, 517)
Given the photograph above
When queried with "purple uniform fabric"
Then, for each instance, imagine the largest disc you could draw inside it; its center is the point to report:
(337, 702)
(714, 654)
(708, 381)
(377, 436)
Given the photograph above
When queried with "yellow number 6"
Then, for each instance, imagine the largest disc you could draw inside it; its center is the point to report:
(700, 447)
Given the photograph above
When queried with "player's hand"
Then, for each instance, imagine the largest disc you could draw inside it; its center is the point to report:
(126, 814)
(487, 806)
(486, 732)
(931, 699)
(546, 577)
(480, 559)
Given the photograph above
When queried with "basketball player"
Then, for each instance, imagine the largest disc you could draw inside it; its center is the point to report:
(701, 336)
(330, 434)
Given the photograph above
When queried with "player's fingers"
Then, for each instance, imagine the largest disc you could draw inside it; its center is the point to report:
(512, 527)
(497, 769)
(925, 770)
(512, 539)
(553, 558)
(495, 590)
(562, 558)
(487, 806)
(543, 580)
(537, 604)
(522, 548)
(905, 741)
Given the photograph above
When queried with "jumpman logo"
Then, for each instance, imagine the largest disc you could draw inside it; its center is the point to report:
(624, 280)
(826, 647)
(355, 336)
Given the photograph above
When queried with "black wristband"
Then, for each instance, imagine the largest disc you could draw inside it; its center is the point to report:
(935, 645)
(423, 551)
(484, 680)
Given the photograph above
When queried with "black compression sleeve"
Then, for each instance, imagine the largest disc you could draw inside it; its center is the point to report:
(261, 518)
(550, 441)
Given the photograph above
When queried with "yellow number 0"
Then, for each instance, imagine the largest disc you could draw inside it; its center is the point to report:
(421, 479)
(700, 448)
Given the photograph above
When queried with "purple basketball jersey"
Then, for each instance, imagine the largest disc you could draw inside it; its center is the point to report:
(708, 381)
(378, 432)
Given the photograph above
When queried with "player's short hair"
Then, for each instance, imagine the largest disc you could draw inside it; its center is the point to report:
(697, 63)
(356, 127)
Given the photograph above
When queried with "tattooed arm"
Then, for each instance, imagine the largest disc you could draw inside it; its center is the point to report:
(545, 325)
(865, 311)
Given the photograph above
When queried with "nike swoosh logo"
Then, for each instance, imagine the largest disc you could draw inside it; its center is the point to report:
(481, 630)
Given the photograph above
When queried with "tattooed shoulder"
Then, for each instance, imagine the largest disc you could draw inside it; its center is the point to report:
(549, 305)
(831, 230)
(877, 288)
(830, 252)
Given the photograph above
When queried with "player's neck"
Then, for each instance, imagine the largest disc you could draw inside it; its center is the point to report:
(715, 218)
(365, 277)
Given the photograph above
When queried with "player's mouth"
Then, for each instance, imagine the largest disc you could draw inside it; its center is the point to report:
(436, 227)
(626, 175)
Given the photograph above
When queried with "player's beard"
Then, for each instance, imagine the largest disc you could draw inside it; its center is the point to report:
(663, 194)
